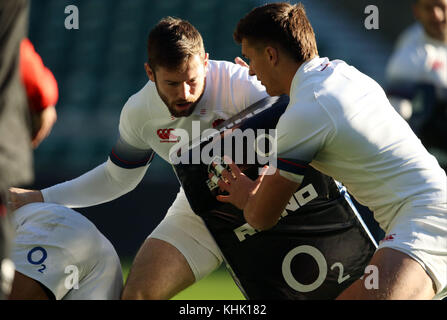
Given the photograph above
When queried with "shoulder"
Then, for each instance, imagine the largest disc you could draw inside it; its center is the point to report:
(139, 109)
(329, 88)
(138, 103)
(411, 36)
(225, 70)
(317, 77)
(409, 55)
(411, 44)
(340, 79)
(222, 66)
(231, 87)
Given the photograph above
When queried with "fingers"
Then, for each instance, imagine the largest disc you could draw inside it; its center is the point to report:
(18, 190)
(235, 170)
(239, 61)
(225, 199)
(233, 167)
(223, 184)
(18, 197)
(228, 177)
(13, 200)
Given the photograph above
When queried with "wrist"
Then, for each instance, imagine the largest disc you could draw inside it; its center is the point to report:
(39, 196)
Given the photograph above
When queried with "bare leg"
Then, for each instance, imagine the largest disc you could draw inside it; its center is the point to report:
(159, 272)
(400, 278)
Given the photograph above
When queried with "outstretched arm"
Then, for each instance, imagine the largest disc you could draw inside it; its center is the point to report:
(102, 184)
(120, 174)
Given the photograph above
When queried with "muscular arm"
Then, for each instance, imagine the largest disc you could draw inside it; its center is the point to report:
(120, 174)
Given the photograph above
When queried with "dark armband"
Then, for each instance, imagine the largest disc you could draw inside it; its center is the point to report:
(127, 156)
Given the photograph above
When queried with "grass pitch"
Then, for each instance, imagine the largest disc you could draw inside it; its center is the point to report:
(217, 286)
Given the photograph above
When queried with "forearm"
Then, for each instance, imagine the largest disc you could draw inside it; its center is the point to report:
(102, 184)
(262, 214)
(264, 207)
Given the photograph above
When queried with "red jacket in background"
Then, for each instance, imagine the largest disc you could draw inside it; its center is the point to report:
(40, 84)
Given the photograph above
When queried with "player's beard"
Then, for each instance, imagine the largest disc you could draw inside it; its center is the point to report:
(172, 104)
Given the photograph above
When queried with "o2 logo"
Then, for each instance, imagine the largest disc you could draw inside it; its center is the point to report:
(371, 281)
(322, 267)
(37, 256)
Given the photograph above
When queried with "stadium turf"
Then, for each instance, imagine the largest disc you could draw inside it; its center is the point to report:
(217, 286)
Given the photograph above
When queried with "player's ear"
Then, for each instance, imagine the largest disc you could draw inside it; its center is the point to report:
(150, 73)
(271, 55)
(205, 59)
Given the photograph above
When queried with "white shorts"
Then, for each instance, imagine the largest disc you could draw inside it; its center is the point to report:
(65, 252)
(421, 233)
(186, 231)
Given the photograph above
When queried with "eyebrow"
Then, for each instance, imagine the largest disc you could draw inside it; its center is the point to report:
(177, 82)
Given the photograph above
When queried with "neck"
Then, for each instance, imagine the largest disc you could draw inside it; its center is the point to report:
(441, 38)
(289, 72)
(286, 73)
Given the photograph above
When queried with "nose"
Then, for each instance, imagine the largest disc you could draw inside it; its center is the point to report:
(185, 90)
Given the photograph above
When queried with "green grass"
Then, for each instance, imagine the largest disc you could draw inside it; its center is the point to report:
(217, 286)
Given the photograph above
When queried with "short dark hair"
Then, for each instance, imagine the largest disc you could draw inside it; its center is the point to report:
(282, 23)
(172, 42)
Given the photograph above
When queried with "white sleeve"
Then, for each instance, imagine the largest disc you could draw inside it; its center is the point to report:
(133, 119)
(102, 184)
(301, 133)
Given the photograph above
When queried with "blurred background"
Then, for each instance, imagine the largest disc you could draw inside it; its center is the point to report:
(100, 65)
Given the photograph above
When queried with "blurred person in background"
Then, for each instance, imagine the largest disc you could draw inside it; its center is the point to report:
(41, 90)
(417, 76)
(16, 161)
